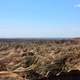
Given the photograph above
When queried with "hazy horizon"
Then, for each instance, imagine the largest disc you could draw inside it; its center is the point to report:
(39, 18)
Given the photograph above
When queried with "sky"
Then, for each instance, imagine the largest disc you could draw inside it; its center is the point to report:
(39, 18)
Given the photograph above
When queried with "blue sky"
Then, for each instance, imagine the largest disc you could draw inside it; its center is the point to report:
(39, 18)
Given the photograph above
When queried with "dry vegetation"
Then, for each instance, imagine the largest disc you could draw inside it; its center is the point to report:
(36, 59)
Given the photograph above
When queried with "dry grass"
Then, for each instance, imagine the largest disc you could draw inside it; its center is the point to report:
(41, 56)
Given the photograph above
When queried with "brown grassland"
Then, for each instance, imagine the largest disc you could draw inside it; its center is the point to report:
(35, 59)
